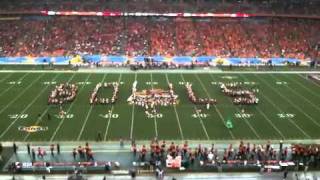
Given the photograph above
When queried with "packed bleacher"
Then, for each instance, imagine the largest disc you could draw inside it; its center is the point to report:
(221, 6)
(60, 36)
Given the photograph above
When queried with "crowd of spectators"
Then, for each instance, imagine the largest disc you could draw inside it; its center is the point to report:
(159, 151)
(263, 38)
(163, 6)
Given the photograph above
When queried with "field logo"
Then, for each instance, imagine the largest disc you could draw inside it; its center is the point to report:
(32, 129)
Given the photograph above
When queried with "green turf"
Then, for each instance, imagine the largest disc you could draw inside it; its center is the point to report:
(298, 96)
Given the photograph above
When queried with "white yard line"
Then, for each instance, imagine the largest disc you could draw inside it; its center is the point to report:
(62, 120)
(216, 109)
(245, 120)
(266, 117)
(176, 113)
(155, 118)
(20, 94)
(11, 86)
(295, 106)
(132, 112)
(175, 71)
(109, 120)
(315, 94)
(43, 113)
(88, 115)
(25, 109)
(221, 117)
(6, 77)
(309, 80)
(201, 121)
(297, 93)
(108, 124)
(280, 111)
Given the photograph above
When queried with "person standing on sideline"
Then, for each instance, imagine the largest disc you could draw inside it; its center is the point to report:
(52, 149)
(58, 148)
(15, 148)
(28, 148)
(74, 153)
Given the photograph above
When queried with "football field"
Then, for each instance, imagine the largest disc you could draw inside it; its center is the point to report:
(289, 106)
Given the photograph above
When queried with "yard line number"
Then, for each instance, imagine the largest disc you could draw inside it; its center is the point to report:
(237, 82)
(49, 82)
(285, 115)
(281, 82)
(14, 82)
(66, 116)
(20, 116)
(243, 115)
(152, 83)
(183, 82)
(109, 115)
(158, 115)
(200, 115)
(84, 83)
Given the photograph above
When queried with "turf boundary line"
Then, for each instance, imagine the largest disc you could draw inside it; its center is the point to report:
(265, 116)
(115, 144)
(6, 77)
(9, 104)
(127, 71)
(176, 113)
(132, 113)
(236, 107)
(279, 109)
(88, 114)
(294, 105)
(155, 118)
(215, 107)
(302, 95)
(109, 120)
(26, 108)
(201, 121)
(62, 120)
(40, 119)
(7, 89)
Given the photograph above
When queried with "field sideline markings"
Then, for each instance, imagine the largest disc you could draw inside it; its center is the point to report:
(155, 118)
(109, 120)
(62, 120)
(88, 114)
(11, 86)
(21, 93)
(176, 113)
(43, 113)
(220, 115)
(265, 116)
(308, 89)
(295, 106)
(309, 80)
(215, 107)
(6, 77)
(245, 120)
(132, 112)
(26, 108)
(299, 94)
(279, 109)
(201, 121)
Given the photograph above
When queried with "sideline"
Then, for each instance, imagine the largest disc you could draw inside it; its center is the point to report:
(161, 71)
